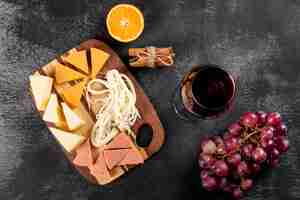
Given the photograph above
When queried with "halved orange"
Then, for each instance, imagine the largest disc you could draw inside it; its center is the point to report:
(125, 22)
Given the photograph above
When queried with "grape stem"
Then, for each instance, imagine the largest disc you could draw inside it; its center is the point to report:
(248, 136)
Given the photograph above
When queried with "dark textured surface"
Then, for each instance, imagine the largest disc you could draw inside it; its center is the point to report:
(259, 41)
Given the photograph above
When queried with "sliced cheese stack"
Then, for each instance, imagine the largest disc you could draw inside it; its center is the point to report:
(41, 87)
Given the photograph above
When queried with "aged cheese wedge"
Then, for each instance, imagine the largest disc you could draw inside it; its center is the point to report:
(65, 74)
(53, 113)
(79, 60)
(113, 157)
(41, 87)
(121, 141)
(72, 119)
(98, 59)
(83, 156)
(99, 170)
(72, 94)
(68, 140)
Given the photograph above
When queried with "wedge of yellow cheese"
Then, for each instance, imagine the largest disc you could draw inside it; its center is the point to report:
(72, 119)
(79, 60)
(65, 74)
(72, 94)
(41, 87)
(98, 59)
(53, 113)
(68, 140)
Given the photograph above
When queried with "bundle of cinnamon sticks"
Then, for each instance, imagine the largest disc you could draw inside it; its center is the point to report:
(151, 57)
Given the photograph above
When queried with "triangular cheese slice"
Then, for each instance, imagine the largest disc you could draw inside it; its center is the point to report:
(98, 59)
(83, 156)
(64, 74)
(72, 119)
(99, 170)
(133, 157)
(53, 112)
(72, 95)
(79, 60)
(85, 116)
(68, 140)
(41, 87)
(121, 141)
(113, 157)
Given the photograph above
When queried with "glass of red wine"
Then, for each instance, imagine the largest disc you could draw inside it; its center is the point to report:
(205, 92)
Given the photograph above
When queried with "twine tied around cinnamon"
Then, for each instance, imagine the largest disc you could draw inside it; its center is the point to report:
(151, 57)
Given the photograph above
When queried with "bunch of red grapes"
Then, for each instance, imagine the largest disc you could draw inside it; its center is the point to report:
(231, 161)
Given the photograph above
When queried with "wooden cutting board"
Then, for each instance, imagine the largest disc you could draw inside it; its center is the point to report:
(148, 114)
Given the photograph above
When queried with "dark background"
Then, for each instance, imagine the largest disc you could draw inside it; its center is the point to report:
(257, 40)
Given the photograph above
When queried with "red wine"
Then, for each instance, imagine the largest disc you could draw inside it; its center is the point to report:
(207, 91)
(212, 87)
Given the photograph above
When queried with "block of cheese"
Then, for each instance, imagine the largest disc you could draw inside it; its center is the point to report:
(69, 141)
(41, 87)
(53, 113)
(79, 60)
(65, 74)
(72, 119)
(98, 59)
(72, 94)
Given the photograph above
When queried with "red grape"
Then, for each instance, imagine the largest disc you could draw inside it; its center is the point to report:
(204, 174)
(243, 169)
(267, 132)
(274, 162)
(259, 155)
(231, 144)
(282, 143)
(246, 184)
(262, 118)
(255, 168)
(274, 153)
(237, 193)
(273, 119)
(267, 143)
(234, 159)
(247, 150)
(220, 168)
(208, 147)
(249, 119)
(234, 129)
(281, 129)
(223, 183)
(206, 161)
(237, 156)
(209, 183)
